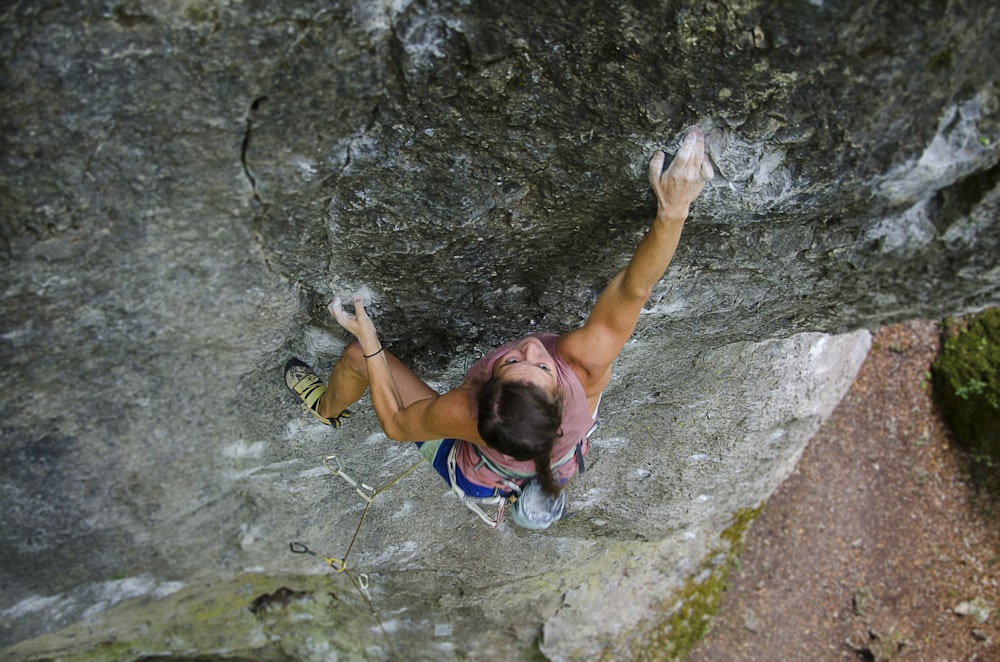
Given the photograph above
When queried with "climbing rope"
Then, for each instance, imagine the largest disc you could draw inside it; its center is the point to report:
(368, 493)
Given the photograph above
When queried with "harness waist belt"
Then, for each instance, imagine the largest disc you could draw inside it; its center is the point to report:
(574, 453)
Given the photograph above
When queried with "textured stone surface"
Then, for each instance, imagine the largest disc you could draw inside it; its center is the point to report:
(183, 185)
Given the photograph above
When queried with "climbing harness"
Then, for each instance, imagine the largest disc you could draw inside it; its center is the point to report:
(521, 494)
(499, 500)
(576, 453)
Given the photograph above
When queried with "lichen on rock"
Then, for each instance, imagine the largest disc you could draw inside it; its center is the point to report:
(690, 609)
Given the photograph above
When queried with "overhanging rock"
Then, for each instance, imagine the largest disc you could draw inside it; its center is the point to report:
(183, 186)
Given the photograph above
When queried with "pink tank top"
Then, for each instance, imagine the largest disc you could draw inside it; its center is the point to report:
(576, 422)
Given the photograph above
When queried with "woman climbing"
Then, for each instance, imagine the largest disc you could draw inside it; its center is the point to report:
(521, 417)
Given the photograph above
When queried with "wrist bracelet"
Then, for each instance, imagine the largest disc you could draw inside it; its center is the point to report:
(368, 356)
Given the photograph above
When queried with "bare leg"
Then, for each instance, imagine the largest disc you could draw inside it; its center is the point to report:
(349, 381)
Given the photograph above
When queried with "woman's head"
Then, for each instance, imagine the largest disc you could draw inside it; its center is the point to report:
(522, 420)
(528, 360)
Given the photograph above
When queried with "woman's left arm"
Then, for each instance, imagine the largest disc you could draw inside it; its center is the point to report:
(593, 347)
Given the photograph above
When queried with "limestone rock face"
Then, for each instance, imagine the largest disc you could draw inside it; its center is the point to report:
(184, 185)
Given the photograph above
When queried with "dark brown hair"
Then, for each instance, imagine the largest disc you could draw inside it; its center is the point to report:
(521, 420)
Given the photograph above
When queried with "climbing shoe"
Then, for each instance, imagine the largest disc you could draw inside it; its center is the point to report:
(304, 383)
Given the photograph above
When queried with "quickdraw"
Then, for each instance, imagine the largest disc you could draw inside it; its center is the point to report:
(366, 492)
(339, 565)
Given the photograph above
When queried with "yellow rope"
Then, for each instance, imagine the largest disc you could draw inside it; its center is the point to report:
(339, 565)
(368, 497)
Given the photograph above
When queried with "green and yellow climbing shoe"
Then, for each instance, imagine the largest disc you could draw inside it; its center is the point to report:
(304, 383)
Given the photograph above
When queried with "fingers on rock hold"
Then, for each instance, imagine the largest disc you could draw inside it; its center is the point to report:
(707, 172)
(656, 165)
(693, 132)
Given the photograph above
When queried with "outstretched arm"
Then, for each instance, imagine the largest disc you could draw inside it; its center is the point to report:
(592, 348)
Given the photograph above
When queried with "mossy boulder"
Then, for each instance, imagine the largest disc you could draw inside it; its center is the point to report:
(966, 384)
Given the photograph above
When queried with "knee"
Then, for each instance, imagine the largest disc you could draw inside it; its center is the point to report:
(355, 356)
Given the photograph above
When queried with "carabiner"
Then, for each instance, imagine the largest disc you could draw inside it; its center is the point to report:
(337, 564)
(366, 492)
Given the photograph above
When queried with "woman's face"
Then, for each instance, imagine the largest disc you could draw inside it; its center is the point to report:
(528, 361)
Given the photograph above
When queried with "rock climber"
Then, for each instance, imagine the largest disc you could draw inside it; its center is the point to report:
(524, 411)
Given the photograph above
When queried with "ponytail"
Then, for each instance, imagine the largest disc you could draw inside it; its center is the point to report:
(543, 467)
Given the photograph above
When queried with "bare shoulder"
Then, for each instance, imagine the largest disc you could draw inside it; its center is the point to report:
(577, 349)
(451, 414)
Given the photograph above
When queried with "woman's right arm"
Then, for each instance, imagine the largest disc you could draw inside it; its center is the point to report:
(448, 415)
(425, 419)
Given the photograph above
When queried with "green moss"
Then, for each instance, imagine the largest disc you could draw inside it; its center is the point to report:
(688, 613)
(202, 11)
(967, 389)
(250, 617)
(966, 385)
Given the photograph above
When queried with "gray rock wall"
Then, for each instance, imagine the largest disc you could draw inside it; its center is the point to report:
(183, 186)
